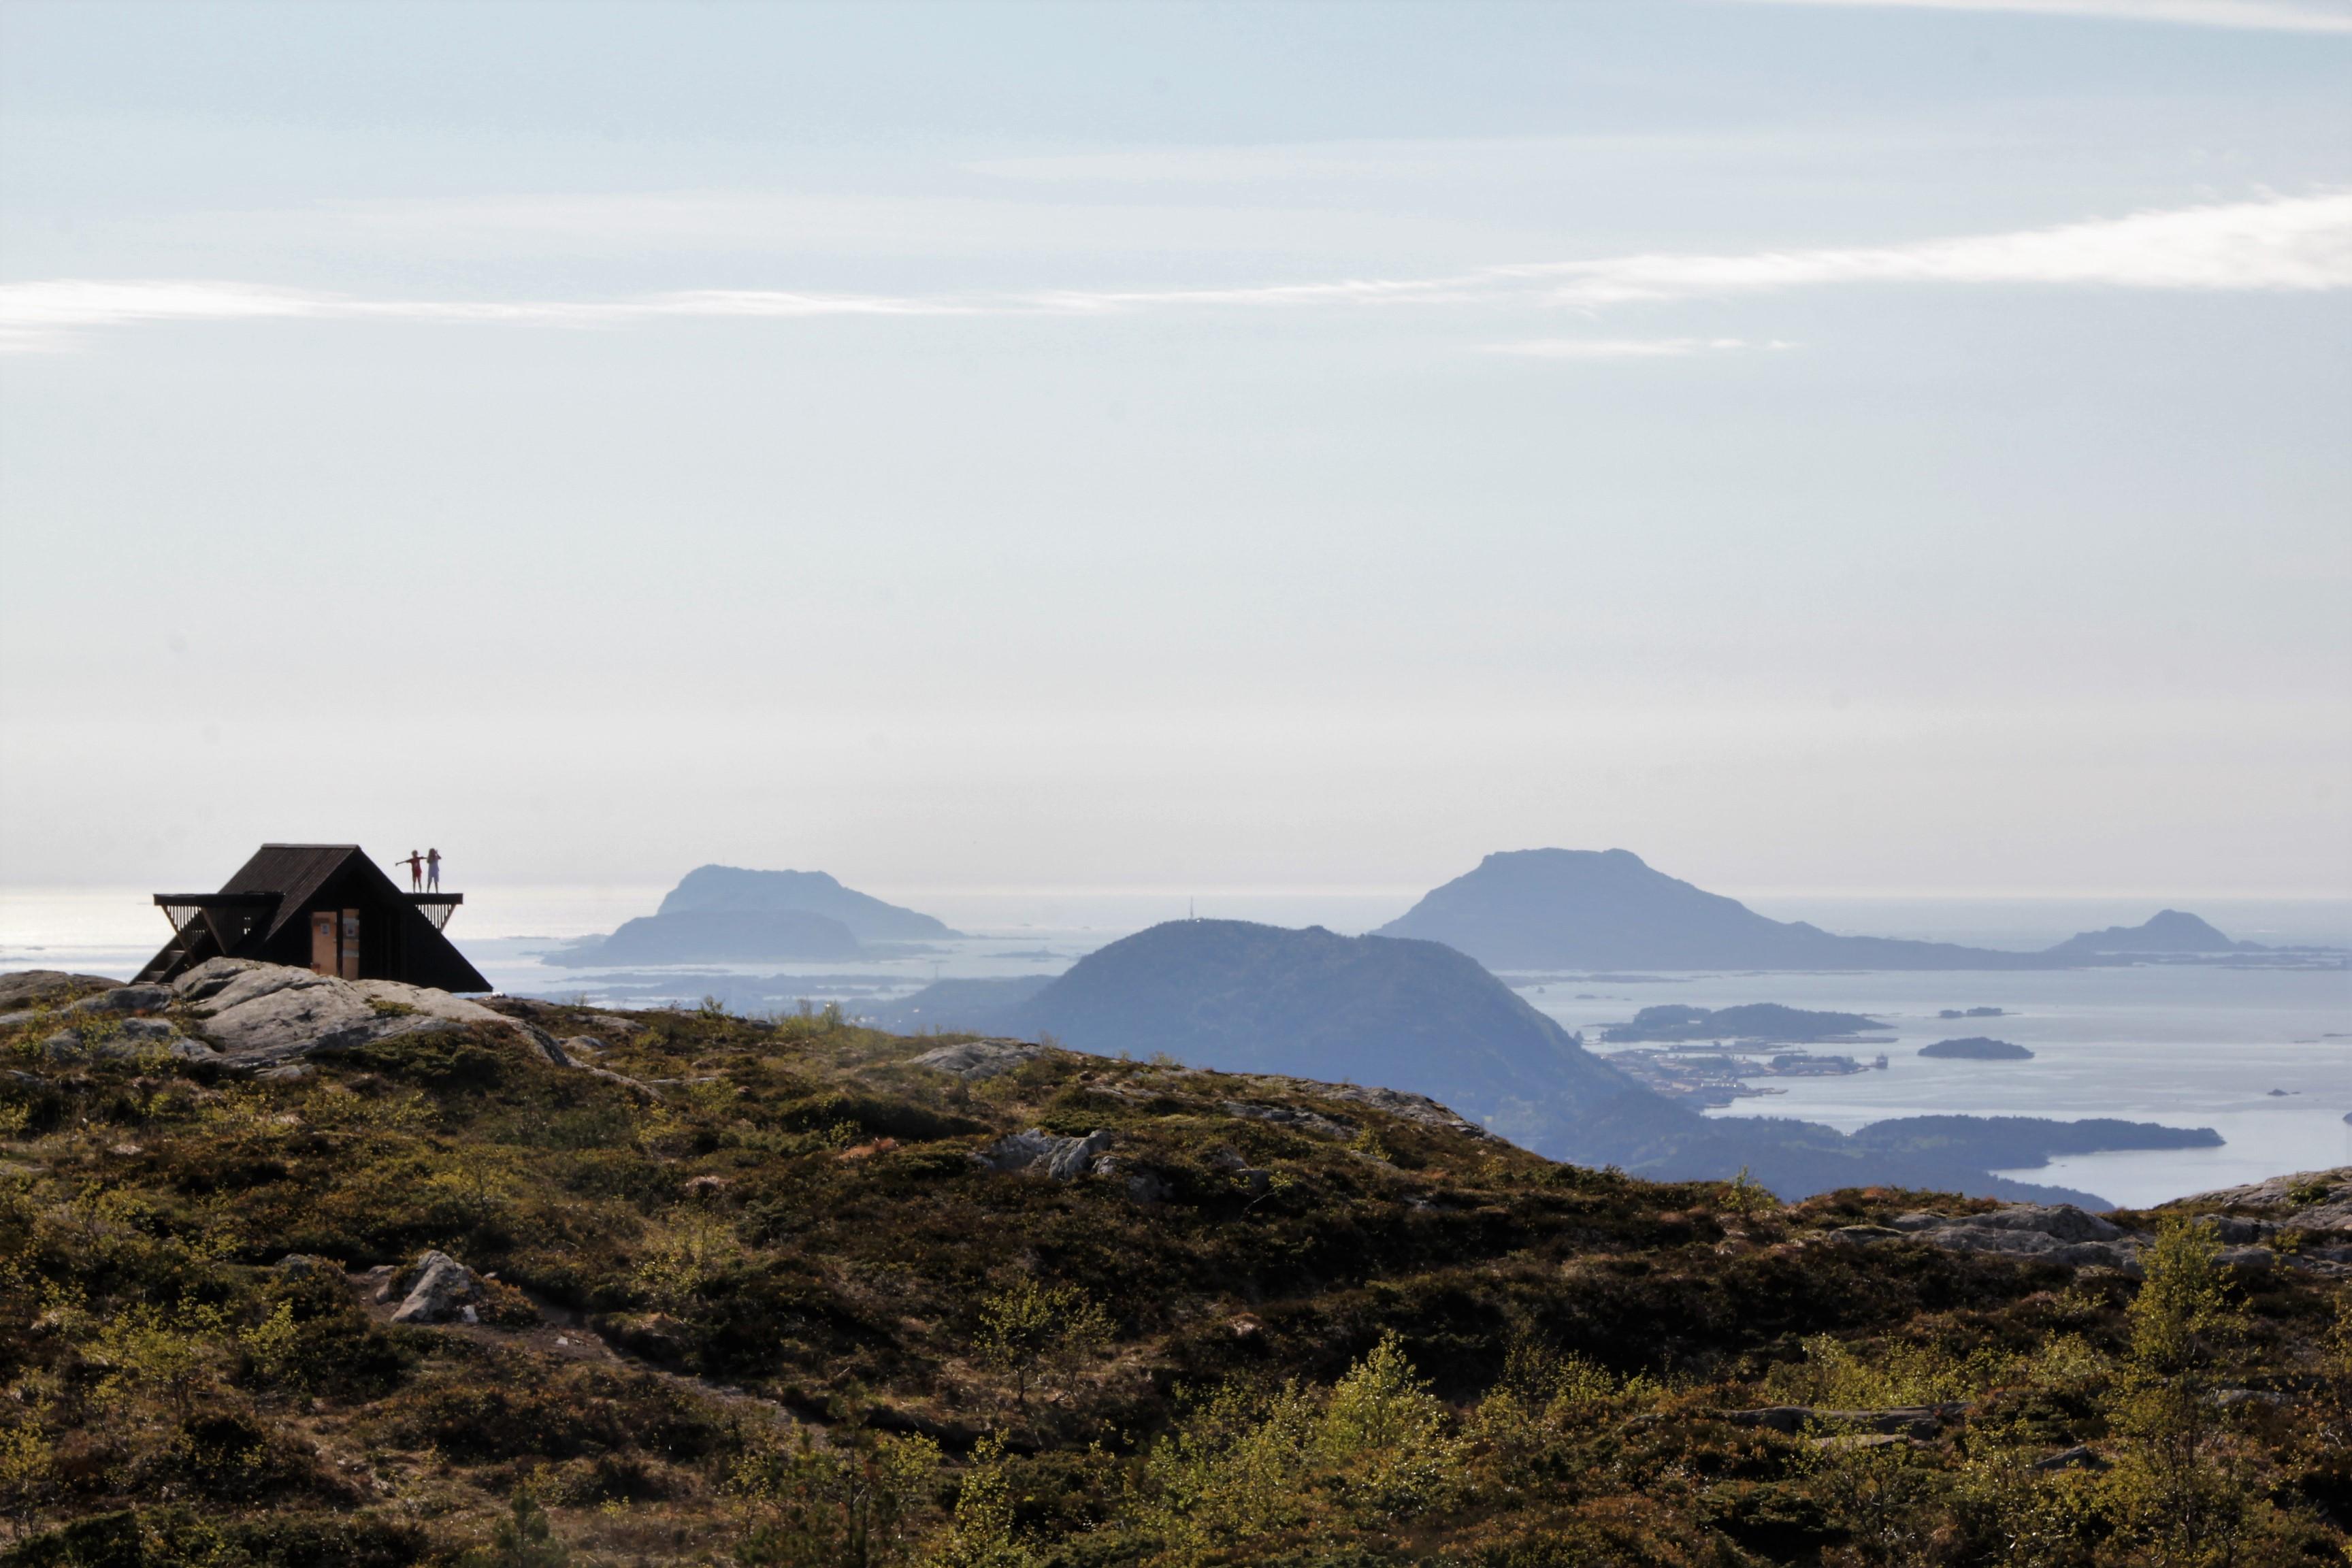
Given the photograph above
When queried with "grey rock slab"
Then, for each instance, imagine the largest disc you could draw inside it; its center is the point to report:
(2028, 1243)
(2062, 1221)
(1397, 1102)
(125, 999)
(2049, 1233)
(434, 1004)
(275, 1017)
(1291, 1116)
(25, 990)
(108, 1040)
(977, 1060)
(213, 975)
(1038, 1151)
(2276, 1193)
(267, 1012)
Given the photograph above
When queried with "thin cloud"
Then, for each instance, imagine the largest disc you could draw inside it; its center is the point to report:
(1627, 348)
(38, 315)
(2260, 16)
(2288, 244)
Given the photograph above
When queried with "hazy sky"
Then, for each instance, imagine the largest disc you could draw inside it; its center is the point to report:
(1864, 447)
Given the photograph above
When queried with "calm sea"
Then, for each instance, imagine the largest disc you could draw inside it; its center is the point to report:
(2262, 1056)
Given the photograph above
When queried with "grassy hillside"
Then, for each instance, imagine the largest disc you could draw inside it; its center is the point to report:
(771, 1309)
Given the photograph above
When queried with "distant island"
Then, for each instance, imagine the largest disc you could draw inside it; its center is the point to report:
(1977, 1048)
(1752, 1021)
(725, 914)
(1591, 910)
(1423, 1017)
(2168, 932)
(1971, 1012)
(2023, 1142)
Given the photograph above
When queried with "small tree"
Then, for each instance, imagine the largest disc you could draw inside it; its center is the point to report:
(851, 1502)
(981, 1535)
(2175, 1489)
(27, 1465)
(524, 1539)
(1384, 1433)
(1029, 1328)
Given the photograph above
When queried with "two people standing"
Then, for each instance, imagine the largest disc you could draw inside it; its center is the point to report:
(423, 871)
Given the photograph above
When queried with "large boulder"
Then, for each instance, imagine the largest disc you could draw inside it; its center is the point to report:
(259, 1015)
(441, 1289)
(270, 1013)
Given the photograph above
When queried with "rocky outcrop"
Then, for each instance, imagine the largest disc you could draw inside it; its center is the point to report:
(1292, 1117)
(441, 1289)
(2062, 1234)
(976, 1059)
(267, 1016)
(123, 999)
(114, 1039)
(2308, 1200)
(261, 1013)
(1038, 1152)
(2050, 1233)
(27, 989)
(1417, 1108)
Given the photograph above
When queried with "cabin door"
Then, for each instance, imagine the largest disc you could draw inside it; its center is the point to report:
(335, 942)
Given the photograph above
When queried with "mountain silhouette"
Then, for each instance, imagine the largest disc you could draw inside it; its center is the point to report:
(1581, 909)
(732, 888)
(2166, 932)
(1398, 1013)
(725, 914)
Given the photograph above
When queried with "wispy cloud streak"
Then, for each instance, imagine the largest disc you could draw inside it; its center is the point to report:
(1627, 348)
(2297, 244)
(2261, 16)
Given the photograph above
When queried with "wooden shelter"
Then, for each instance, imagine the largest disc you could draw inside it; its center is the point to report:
(325, 907)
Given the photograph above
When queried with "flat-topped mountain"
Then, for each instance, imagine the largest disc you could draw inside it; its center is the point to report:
(731, 889)
(1579, 909)
(725, 914)
(1588, 910)
(2166, 932)
(1411, 1015)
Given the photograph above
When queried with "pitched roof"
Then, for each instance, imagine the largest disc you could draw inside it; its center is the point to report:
(293, 871)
